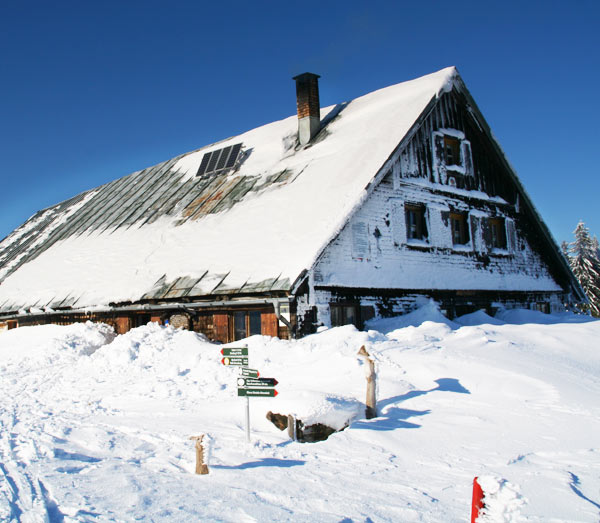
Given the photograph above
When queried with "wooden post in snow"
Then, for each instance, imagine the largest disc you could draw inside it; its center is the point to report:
(201, 467)
(291, 427)
(371, 410)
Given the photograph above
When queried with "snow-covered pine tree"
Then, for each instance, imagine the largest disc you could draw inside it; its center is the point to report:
(585, 264)
(596, 246)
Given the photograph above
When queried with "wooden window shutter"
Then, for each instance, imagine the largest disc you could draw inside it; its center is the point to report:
(269, 324)
(360, 240)
(438, 155)
(486, 234)
(467, 159)
(511, 235)
(221, 327)
(477, 233)
(398, 223)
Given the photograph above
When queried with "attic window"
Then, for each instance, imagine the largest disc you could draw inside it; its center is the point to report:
(452, 158)
(452, 150)
(215, 162)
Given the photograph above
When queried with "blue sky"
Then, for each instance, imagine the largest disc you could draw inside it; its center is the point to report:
(93, 91)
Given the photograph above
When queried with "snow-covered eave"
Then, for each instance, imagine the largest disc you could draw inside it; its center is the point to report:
(160, 307)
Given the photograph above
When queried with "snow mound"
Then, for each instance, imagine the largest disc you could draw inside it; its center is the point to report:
(479, 317)
(428, 312)
(47, 344)
(501, 499)
(155, 346)
(328, 409)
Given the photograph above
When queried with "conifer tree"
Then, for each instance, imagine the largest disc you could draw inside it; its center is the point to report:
(564, 247)
(585, 264)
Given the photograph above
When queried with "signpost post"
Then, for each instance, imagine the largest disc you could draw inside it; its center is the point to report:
(249, 383)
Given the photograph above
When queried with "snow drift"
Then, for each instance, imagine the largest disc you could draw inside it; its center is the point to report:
(95, 427)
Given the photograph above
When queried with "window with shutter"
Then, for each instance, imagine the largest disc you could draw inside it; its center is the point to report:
(497, 233)
(416, 226)
(459, 227)
(452, 158)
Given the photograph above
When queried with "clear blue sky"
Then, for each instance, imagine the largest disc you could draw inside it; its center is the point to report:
(91, 91)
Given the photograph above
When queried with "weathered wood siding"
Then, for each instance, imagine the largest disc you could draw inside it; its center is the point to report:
(373, 252)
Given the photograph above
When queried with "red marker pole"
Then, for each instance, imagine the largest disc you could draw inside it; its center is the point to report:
(477, 505)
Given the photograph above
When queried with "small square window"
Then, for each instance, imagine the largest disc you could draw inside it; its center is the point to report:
(416, 227)
(451, 150)
(460, 228)
(498, 233)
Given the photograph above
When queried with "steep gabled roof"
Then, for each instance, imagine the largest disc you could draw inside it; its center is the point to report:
(165, 232)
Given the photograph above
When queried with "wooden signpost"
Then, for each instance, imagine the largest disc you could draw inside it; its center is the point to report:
(249, 383)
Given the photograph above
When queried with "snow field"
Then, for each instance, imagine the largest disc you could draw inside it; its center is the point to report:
(95, 427)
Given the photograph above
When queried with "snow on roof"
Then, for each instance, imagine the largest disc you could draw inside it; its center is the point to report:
(164, 231)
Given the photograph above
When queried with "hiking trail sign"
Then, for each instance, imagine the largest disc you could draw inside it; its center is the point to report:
(249, 384)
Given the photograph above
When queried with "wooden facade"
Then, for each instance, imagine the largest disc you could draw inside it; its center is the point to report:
(218, 325)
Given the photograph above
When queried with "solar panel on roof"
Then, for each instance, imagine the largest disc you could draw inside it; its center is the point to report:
(223, 158)
(213, 161)
(235, 150)
(219, 160)
(203, 164)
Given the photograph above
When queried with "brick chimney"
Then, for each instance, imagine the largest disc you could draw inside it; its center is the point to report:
(309, 109)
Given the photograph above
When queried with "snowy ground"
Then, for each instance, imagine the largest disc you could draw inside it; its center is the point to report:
(94, 430)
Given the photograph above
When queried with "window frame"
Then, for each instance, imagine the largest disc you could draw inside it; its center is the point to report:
(452, 151)
(464, 236)
(498, 236)
(248, 323)
(419, 211)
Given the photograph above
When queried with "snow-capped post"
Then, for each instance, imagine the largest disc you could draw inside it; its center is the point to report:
(201, 467)
(371, 410)
(292, 427)
(477, 504)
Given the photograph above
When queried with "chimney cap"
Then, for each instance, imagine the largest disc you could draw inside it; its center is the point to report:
(305, 75)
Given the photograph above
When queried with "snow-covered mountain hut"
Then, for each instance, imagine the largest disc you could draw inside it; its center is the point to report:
(335, 216)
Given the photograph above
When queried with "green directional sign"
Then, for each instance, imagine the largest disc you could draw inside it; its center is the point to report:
(257, 382)
(265, 393)
(234, 351)
(250, 373)
(234, 360)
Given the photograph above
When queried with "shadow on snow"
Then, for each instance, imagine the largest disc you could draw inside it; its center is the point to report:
(265, 462)
(394, 417)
